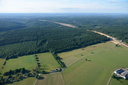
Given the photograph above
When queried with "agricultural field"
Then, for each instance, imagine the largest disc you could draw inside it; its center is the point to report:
(47, 61)
(27, 62)
(1, 64)
(102, 60)
(73, 56)
(51, 79)
(27, 81)
(118, 82)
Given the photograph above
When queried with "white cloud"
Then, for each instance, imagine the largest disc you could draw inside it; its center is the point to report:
(60, 6)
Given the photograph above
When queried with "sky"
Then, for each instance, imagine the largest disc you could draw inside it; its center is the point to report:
(63, 6)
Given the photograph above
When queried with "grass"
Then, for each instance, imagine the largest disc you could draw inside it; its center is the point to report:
(72, 56)
(99, 67)
(27, 81)
(47, 60)
(1, 64)
(51, 79)
(27, 62)
(118, 82)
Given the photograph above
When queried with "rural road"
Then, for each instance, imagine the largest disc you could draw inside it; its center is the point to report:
(113, 40)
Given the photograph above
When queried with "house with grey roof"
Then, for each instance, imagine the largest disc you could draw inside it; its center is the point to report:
(123, 73)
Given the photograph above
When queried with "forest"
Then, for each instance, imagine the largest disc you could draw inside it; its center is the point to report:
(28, 35)
(115, 25)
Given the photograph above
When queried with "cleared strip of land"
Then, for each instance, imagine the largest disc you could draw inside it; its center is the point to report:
(114, 40)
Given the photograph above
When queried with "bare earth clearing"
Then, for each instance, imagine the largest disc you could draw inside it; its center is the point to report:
(114, 40)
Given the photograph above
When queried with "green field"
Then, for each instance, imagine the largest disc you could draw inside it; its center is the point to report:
(51, 79)
(1, 64)
(97, 70)
(70, 57)
(102, 60)
(27, 62)
(47, 60)
(28, 81)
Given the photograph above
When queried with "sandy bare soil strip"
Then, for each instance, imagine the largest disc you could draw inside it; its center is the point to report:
(114, 40)
(64, 24)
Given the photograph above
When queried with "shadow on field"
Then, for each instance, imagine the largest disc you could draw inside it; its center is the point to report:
(117, 78)
(87, 60)
(40, 78)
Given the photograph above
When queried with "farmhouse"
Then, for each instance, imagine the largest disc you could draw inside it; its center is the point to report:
(122, 73)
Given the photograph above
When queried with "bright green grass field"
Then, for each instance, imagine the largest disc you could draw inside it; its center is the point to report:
(71, 56)
(98, 69)
(1, 62)
(27, 81)
(27, 62)
(47, 60)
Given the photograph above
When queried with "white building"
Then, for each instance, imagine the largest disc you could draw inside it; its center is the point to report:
(122, 73)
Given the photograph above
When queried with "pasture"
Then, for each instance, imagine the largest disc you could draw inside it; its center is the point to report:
(51, 79)
(47, 61)
(73, 56)
(99, 65)
(27, 81)
(27, 62)
(1, 64)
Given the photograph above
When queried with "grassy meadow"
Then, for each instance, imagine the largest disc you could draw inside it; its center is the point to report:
(1, 64)
(99, 65)
(51, 79)
(27, 81)
(27, 62)
(102, 60)
(47, 61)
(73, 56)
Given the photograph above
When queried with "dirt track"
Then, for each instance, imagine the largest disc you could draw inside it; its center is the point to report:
(114, 40)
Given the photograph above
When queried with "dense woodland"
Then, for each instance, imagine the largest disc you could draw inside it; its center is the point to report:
(115, 25)
(23, 34)
(30, 35)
